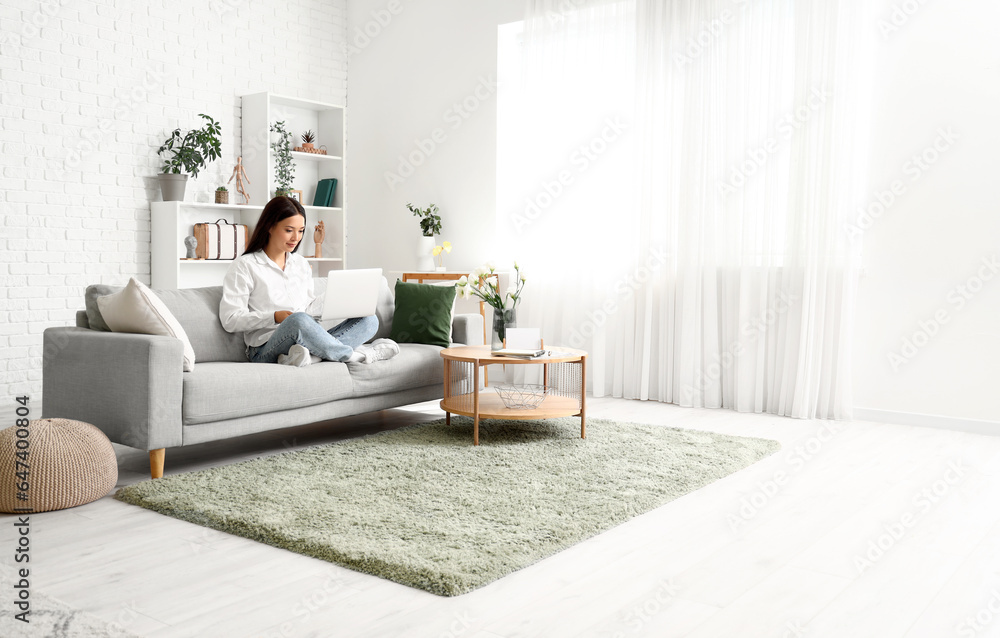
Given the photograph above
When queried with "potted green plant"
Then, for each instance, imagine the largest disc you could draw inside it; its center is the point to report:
(187, 153)
(222, 195)
(430, 225)
(284, 170)
(307, 140)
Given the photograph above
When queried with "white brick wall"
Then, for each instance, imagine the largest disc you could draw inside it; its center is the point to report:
(88, 92)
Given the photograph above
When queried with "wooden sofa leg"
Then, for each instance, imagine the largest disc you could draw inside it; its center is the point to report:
(156, 462)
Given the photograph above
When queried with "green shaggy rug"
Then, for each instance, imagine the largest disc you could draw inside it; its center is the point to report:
(423, 507)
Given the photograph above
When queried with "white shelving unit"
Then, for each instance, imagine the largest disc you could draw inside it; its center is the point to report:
(171, 222)
(313, 157)
(260, 110)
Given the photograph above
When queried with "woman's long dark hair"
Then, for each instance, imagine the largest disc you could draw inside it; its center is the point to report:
(277, 209)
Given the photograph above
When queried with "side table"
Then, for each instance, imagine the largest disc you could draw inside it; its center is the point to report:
(564, 374)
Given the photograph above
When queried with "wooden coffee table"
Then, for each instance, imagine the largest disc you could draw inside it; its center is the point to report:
(564, 374)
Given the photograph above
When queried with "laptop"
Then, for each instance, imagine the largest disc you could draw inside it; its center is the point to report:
(351, 293)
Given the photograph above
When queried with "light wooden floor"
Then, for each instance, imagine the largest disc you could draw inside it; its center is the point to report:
(770, 551)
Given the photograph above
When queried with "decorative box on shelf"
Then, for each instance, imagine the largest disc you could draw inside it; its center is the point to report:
(172, 222)
(315, 151)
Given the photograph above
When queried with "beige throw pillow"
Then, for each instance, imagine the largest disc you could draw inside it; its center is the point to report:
(137, 310)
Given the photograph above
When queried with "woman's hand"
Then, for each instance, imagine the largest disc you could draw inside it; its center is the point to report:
(281, 315)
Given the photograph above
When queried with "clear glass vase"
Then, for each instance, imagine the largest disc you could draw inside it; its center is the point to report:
(502, 319)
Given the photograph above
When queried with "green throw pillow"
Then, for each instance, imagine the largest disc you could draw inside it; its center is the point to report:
(423, 314)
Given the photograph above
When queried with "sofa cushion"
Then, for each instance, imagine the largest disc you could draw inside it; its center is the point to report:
(138, 310)
(423, 314)
(197, 310)
(220, 390)
(415, 366)
(94, 317)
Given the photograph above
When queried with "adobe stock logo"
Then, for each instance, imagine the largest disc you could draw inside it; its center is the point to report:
(768, 489)
(915, 167)
(710, 32)
(900, 16)
(754, 329)
(785, 128)
(581, 160)
(366, 33)
(12, 43)
(972, 625)
(640, 614)
(923, 502)
(957, 298)
(623, 289)
(454, 116)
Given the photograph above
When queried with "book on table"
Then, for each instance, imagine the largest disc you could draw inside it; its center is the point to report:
(519, 354)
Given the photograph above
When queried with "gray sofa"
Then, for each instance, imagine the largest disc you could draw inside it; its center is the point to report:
(133, 388)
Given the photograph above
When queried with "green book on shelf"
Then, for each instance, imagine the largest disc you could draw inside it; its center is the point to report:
(325, 191)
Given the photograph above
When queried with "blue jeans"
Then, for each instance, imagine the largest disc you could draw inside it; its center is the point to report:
(337, 344)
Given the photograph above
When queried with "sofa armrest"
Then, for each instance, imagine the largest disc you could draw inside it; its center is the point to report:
(467, 329)
(128, 385)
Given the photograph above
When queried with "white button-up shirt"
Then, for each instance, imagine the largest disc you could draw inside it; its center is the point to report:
(255, 288)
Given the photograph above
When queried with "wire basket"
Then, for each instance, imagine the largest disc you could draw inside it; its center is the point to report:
(521, 397)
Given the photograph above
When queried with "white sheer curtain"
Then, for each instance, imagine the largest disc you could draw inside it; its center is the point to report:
(678, 176)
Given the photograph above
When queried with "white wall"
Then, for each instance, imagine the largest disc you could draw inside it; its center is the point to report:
(402, 87)
(89, 91)
(939, 69)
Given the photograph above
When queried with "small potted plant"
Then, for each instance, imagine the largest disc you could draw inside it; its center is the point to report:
(307, 140)
(187, 153)
(430, 225)
(222, 195)
(284, 170)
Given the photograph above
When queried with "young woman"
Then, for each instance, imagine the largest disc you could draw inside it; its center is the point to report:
(268, 296)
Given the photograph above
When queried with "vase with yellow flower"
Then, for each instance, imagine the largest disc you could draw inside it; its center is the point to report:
(484, 283)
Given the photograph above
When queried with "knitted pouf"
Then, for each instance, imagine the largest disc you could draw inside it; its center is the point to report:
(69, 463)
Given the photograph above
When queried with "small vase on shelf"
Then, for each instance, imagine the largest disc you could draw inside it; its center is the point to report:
(425, 254)
(502, 319)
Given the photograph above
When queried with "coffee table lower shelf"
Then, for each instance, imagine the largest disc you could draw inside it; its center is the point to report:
(491, 406)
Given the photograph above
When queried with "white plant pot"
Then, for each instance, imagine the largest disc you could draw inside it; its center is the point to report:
(172, 186)
(425, 254)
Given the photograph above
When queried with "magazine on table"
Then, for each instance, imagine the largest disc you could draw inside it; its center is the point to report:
(519, 354)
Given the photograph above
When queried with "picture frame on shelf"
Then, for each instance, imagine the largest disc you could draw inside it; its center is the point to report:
(296, 195)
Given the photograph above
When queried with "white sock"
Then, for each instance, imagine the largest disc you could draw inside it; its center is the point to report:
(297, 356)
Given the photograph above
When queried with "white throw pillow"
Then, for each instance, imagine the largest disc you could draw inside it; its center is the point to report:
(137, 310)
